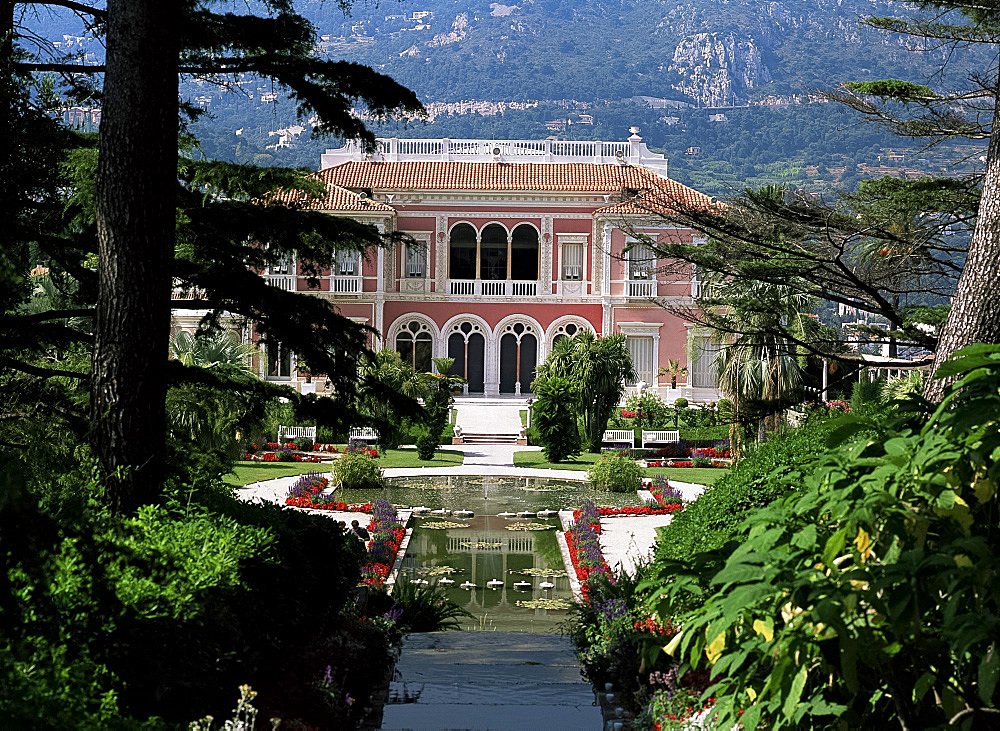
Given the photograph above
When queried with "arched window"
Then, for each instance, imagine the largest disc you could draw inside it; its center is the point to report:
(493, 253)
(462, 252)
(467, 345)
(518, 358)
(566, 330)
(415, 345)
(524, 253)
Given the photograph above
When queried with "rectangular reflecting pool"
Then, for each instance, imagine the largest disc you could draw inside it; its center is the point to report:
(506, 571)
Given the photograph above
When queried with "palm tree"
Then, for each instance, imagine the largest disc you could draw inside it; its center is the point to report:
(206, 350)
(759, 369)
(601, 366)
(673, 369)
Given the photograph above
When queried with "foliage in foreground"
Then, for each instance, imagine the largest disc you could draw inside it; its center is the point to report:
(110, 621)
(714, 518)
(868, 595)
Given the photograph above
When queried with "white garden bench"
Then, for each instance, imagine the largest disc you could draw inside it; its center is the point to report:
(659, 437)
(364, 434)
(294, 433)
(619, 436)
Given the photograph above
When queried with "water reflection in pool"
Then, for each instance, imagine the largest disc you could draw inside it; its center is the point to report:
(499, 566)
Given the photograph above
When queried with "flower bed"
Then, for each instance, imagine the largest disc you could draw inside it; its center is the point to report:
(358, 446)
(686, 463)
(583, 541)
(628, 511)
(665, 495)
(282, 455)
(306, 492)
(386, 537)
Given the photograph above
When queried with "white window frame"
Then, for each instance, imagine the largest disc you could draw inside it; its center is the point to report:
(644, 330)
(415, 258)
(633, 272)
(347, 263)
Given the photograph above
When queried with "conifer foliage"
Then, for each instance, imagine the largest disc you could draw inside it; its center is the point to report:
(201, 227)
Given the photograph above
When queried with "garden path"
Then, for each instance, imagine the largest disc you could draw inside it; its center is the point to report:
(489, 680)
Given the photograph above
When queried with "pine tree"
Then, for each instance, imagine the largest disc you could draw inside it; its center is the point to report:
(227, 229)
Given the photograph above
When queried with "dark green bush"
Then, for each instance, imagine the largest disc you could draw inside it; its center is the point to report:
(554, 418)
(425, 608)
(711, 520)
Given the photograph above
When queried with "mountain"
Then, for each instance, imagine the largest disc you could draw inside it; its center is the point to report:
(700, 52)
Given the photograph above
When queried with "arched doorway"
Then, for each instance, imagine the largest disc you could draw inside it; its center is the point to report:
(493, 261)
(467, 345)
(524, 253)
(415, 345)
(462, 252)
(518, 358)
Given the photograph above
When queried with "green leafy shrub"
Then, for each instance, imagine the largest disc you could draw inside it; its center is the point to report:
(868, 598)
(554, 418)
(425, 608)
(357, 470)
(712, 520)
(426, 444)
(616, 473)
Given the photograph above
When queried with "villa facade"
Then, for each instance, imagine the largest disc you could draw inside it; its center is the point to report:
(518, 243)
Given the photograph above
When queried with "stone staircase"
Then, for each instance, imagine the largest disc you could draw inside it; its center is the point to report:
(489, 680)
(468, 438)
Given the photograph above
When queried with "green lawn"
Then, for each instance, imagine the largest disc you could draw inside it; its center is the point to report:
(407, 457)
(537, 461)
(697, 475)
(247, 472)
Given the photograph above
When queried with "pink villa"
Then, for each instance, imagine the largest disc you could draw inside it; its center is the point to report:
(519, 243)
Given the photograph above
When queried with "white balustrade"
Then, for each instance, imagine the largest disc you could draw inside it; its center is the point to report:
(524, 289)
(285, 282)
(494, 288)
(345, 285)
(642, 289)
(465, 287)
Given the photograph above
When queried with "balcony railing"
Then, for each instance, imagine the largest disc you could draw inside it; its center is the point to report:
(282, 281)
(345, 285)
(493, 288)
(644, 288)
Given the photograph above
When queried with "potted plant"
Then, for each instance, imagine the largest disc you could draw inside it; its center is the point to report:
(673, 369)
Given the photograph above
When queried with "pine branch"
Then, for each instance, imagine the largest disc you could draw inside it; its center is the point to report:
(39, 371)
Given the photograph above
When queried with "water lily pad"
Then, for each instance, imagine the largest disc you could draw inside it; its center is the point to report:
(543, 572)
(481, 545)
(529, 526)
(444, 525)
(438, 570)
(543, 604)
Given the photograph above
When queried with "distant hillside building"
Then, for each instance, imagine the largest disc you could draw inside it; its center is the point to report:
(518, 243)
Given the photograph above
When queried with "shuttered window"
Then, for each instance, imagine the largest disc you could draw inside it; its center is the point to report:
(416, 261)
(572, 261)
(704, 373)
(347, 263)
(641, 351)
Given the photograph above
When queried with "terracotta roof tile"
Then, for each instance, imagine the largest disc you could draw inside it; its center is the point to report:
(556, 177)
(337, 198)
(662, 198)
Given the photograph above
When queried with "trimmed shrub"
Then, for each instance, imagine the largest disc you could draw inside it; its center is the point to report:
(554, 417)
(426, 444)
(357, 470)
(616, 473)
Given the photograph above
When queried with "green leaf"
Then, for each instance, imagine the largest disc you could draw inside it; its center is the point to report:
(794, 692)
(989, 671)
(924, 683)
(834, 545)
(849, 662)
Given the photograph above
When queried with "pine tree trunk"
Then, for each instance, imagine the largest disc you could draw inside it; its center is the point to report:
(136, 202)
(974, 315)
